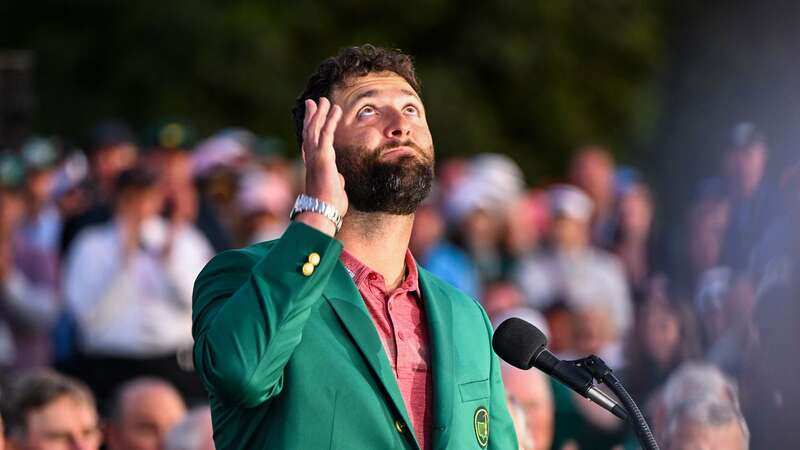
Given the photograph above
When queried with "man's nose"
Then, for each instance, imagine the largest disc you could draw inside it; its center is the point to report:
(398, 126)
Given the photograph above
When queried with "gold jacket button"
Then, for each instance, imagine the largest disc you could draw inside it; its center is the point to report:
(308, 269)
(399, 426)
(314, 258)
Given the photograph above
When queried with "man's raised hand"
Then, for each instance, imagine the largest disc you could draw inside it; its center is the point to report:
(323, 179)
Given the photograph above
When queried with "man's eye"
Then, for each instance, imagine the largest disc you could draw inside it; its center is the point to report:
(366, 111)
(410, 109)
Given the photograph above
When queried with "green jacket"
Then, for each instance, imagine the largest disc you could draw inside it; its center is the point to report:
(294, 362)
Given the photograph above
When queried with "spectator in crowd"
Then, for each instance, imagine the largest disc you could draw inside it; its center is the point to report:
(501, 297)
(691, 382)
(169, 148)
(41, 228)
(478, 206)
(223, 165)
(774, 260)
(527, 220)
(263, 200)
(11, 208)
(751, 197)
(193, 432)
(631, 240)
(706, 424)
(143, 412)
(664, 336)
(725, 304)
(531, 390)
(706, 224)
(439, 256)
(45, 410)
(112, 149)
(574, 271)
(26, 308)
(129, 285)
(34, 280)
(592, 170)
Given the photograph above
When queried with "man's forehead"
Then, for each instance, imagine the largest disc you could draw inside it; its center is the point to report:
(371, 85)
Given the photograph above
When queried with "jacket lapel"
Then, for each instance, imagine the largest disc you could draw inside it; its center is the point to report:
(439, 311)
(343, 296)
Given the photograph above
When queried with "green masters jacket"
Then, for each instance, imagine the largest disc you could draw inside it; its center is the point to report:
(294, 362)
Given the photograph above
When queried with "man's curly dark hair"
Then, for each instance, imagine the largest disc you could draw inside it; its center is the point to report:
(349, 63)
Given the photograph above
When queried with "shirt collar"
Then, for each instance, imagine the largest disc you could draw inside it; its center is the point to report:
(360, 272)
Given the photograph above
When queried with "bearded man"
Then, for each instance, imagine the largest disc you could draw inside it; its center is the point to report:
(332, 337)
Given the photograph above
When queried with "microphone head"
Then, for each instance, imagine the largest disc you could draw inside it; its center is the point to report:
(517, 342)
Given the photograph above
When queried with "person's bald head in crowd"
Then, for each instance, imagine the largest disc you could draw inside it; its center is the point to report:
(45, 410)
(531, 390)
(706, 424)
(144, 410)
(697, 403)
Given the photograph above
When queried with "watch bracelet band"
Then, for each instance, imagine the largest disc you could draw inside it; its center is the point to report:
(305, 203)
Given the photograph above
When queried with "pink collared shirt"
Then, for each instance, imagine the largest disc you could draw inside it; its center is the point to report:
(400, 320)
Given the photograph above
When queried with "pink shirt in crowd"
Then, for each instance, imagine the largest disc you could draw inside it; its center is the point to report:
(400, 320)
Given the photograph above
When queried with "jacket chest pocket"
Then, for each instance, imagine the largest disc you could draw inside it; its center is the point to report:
(474, 390)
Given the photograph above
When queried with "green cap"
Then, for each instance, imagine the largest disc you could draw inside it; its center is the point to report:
(12, 171)
(171, 135)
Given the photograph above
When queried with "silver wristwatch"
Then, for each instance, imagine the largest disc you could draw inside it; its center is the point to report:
(304, 203)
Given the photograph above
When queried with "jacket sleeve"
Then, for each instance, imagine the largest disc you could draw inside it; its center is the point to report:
(249, 308)
(501, 428)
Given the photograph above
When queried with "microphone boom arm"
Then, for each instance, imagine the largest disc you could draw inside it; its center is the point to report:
(577, 376)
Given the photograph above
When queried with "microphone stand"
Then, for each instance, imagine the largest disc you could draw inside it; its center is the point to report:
(598, 369)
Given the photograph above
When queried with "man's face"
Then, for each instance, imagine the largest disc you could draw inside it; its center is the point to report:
(110, 161)
(148, 414)
(67, 423)
(594, 330)
(748, 166)
(569, 233)
(593, 170)
(142, 203)
(383, 145)
(531, 390)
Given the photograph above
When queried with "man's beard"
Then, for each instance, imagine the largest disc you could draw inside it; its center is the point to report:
(393, 187)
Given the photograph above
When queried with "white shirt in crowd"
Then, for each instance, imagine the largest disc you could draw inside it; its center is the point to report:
(142, 308)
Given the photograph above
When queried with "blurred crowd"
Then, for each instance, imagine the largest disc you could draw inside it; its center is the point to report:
(100, 244)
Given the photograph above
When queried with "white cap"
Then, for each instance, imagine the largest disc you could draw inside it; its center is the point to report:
(570, 201)
(491, 182)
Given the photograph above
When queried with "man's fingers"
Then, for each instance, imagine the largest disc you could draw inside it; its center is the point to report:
(319, 119)
(311, 109)
(328, 130)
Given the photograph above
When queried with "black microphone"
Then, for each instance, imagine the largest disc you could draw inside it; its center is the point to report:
(522, 345)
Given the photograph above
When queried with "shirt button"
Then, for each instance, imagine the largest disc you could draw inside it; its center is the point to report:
(399, 426)
(373, 276)
(401, 335)
(308, 269)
